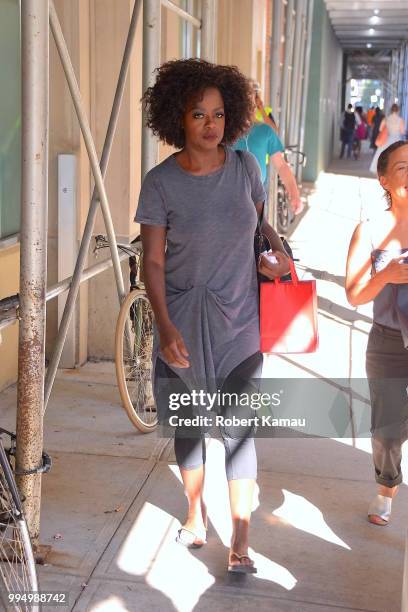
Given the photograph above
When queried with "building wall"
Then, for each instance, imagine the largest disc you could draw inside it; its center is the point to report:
(65, 138)
(241, 36)
(9, 285)
(10, 155)
(324, 95)
(108, 31)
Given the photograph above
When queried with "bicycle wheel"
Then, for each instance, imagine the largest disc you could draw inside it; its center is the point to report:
(133, 352)
(17, 566)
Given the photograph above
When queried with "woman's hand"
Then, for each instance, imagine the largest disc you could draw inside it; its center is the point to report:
(396, 271)
(296, 204)
(273, 270)
(172, 346)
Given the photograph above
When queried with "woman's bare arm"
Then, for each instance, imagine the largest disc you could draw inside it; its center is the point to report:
(288, 179)
(264, 266)
(361, 285)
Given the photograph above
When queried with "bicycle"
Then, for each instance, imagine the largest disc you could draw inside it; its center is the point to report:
(18, 573)
(134, 343)
(285, 215)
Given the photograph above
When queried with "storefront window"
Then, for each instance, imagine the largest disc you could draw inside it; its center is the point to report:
(10, 118)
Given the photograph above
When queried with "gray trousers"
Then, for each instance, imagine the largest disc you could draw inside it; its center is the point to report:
(387, 373)
(239, 444)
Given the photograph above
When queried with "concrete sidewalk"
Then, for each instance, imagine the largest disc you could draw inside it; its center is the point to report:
(113, 500)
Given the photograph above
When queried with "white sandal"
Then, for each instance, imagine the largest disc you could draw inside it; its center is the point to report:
(379, 511)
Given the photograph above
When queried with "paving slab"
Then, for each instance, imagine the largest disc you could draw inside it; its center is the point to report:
(92, 371)
(85, 415)
(84, 501)
(60, 583)
(117, 596)
(302, 529)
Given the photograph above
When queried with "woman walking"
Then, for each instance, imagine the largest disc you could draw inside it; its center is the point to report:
(198, 212)
(377, 120)
(395, 126)
(377, 269)
(360, 133)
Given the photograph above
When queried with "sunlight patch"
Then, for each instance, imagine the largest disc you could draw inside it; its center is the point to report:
(302, 514)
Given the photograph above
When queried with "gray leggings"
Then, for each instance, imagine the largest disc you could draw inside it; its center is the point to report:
(387, 373)
(239, 444)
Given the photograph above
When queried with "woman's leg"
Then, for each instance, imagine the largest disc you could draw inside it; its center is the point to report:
(189, 446)
(241, 469)
(240, 457)
(190, 457)
(387, 455)
(387, 364)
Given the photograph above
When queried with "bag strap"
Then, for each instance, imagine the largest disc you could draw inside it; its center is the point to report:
(295, 278)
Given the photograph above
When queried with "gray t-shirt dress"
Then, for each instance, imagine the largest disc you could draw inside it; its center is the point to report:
(210, 270)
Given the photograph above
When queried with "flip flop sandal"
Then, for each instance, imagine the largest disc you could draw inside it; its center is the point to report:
(241, 568)
(379, 511)
(189, 539)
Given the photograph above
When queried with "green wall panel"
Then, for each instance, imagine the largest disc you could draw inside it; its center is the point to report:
(10, 117)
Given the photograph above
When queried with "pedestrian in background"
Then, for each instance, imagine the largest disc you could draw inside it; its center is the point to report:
(395, 130)
(360, 132)
(263, 113)
(370, 119)
(377, 270)
(263, 142)
(377, 119)
(347, 127)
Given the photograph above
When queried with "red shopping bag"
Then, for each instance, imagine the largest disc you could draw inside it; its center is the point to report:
(288, 315)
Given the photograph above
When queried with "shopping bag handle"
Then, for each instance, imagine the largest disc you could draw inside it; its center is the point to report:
(295, 279)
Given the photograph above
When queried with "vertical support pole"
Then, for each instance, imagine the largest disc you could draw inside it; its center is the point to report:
(151, 61)
(404, 110)
(404, 600)
(299, 87)
(275, 55)
(274, 94)
(287, 67)
(208, 30)
(296, 71)
(188, 32)
(67, 245)
(33, 253)
(305, 93)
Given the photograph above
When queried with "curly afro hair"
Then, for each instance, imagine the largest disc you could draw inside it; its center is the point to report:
(180, 82)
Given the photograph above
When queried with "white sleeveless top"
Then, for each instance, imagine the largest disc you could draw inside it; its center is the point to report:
(393, 123)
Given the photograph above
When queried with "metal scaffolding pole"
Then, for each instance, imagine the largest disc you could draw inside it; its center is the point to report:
(99, 194)
(275, 55)
(296, 73)
(287, 67)
(299, 88)
(305, 92)
(208, 45)
(186, 15)
(404, 101)
(33, 254)
(151, 60)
